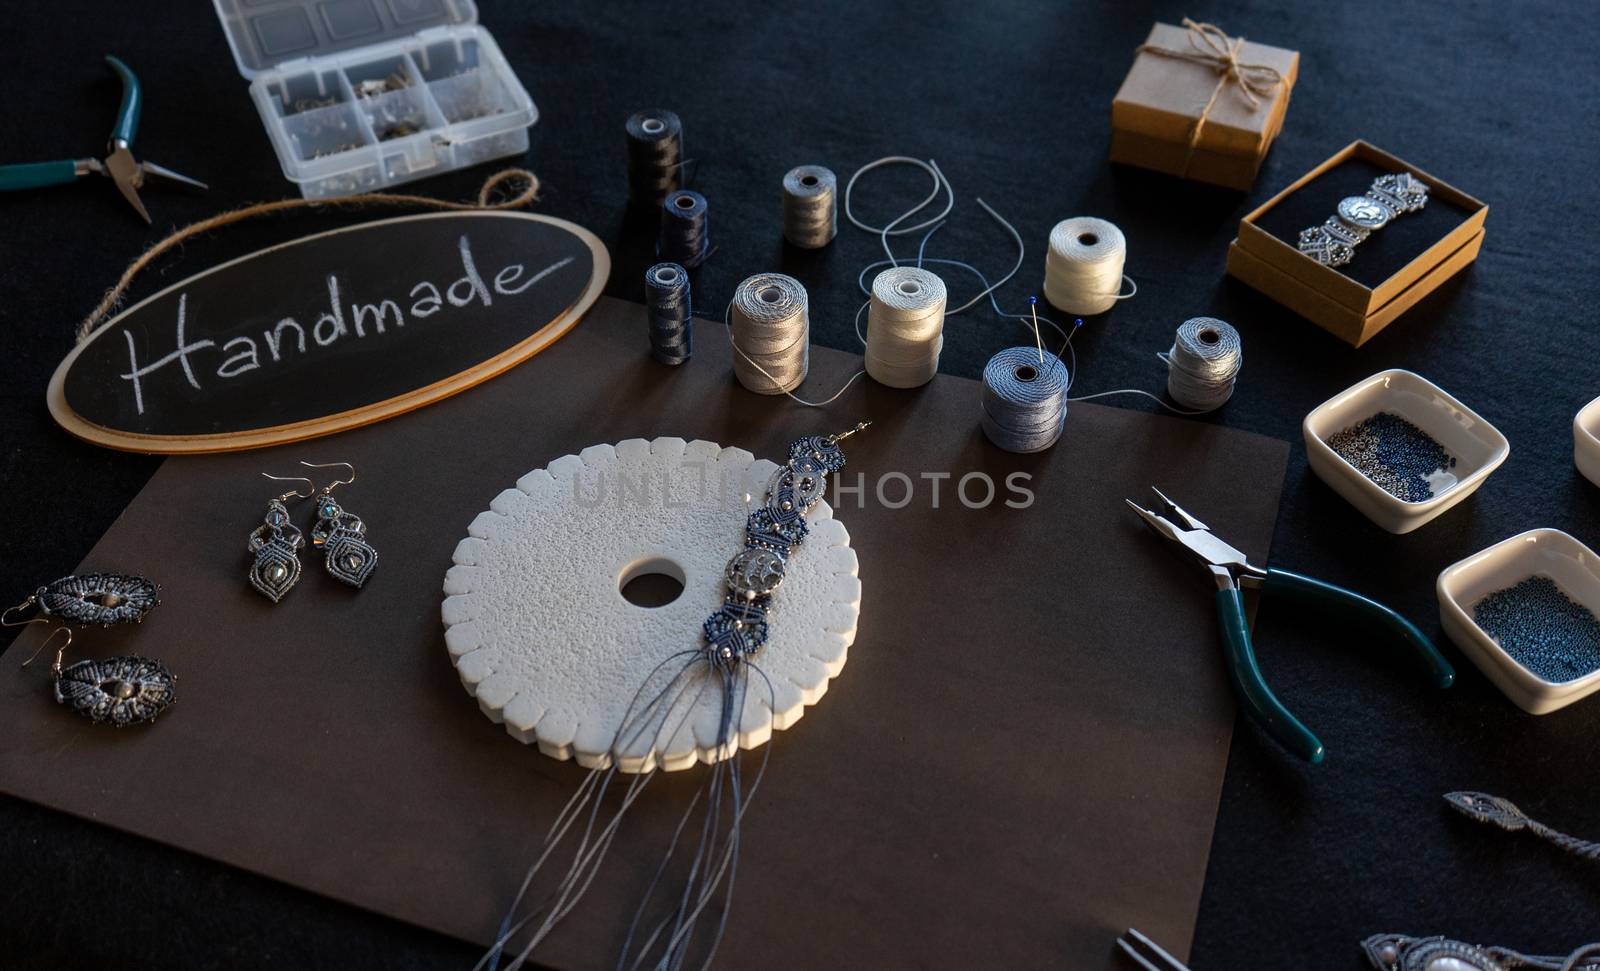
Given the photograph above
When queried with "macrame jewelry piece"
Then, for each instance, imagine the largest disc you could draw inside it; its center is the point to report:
(275, 545)
(118, 691)
(1504, 814)
(1397, 952)
(665, 922)
(101, 599)
(342, 538)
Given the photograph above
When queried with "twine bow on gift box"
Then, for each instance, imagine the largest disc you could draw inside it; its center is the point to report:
(1211, 47)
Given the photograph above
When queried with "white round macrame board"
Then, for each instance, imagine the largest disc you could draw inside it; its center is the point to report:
(538, 629)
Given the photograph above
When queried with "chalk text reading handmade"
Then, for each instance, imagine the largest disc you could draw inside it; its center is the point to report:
(246, 352)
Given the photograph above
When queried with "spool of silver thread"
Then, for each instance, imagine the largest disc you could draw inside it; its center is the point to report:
(1024, 399)
(905, 327)
(810, 206)
(1204, 363)
(771, 333)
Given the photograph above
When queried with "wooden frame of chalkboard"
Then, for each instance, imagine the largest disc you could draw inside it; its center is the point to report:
(329, 332)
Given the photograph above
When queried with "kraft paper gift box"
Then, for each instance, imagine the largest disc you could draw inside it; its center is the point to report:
(1201, 105)
(1392, 269)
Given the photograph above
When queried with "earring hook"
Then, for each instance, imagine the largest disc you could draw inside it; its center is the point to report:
(296, 494)
(5, 615)
(55, 666)
(328, 489)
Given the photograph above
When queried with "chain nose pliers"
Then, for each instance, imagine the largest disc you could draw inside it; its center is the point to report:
(119, 164)
(1234, 573)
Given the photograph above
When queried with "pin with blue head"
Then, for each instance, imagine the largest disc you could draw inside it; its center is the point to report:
(1038, 339)
(1074, 332)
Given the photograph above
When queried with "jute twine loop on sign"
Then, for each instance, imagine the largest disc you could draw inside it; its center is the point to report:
(486, 200)
(1213, 48)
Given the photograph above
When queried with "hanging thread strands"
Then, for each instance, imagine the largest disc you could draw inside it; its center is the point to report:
(770, 326)
(667, 304)
(1083, 268)
(655, 156)
(1024, 399)
(685, 236)
(810, 206)
(1203, 363)
(905, 327)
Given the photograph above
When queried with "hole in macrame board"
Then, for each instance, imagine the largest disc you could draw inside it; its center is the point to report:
(652, 582)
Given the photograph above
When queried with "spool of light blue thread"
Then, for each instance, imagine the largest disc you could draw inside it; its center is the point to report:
(1024, 399)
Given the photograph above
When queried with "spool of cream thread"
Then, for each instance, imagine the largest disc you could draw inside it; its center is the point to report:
(771, 330)
(905, 327)
(1083, 266)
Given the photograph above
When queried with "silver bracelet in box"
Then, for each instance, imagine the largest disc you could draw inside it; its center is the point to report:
(1334, 242)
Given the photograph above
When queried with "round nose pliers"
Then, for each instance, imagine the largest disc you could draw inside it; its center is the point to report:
(1233, 574)
(119, 164)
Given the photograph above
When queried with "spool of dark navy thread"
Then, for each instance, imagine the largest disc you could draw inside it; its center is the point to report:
(655, 156)
(685, 239)
(666, 300)
(1024, 399)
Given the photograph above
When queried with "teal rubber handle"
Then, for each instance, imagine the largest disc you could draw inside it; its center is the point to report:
(32, 175)
(1257, 700)
(132, 102)
(1315, 593)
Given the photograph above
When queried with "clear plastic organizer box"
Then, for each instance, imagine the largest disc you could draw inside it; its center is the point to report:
(357, 95)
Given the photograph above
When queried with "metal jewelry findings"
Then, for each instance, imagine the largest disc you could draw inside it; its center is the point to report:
(341, 535)
(1334, 242)
(276, 543)
(117, 691)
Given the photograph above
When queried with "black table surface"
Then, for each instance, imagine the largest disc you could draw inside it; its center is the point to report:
(1012, 100)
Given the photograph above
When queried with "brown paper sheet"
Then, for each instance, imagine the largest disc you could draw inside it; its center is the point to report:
(1162, 97)
(1022, 756)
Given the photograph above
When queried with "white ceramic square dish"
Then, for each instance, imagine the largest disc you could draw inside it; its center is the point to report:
(1551, 553)
(1477, 446)
(1586, 441)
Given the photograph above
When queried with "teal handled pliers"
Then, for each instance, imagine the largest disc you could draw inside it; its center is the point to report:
(119, 163)
(1234, 573)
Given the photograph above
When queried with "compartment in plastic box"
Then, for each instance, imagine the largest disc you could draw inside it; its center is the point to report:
(309, 91)
(380, 76)
(470, 95)
(447, 58)
(400, 114)
(325, 132)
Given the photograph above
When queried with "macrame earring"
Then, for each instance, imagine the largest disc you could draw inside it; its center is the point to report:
(276, 543)
(117, 691)
(341, 535)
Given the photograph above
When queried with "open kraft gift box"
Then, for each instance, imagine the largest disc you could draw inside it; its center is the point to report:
(1393, 268)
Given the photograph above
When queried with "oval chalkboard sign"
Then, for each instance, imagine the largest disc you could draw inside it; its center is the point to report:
(329, 332)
